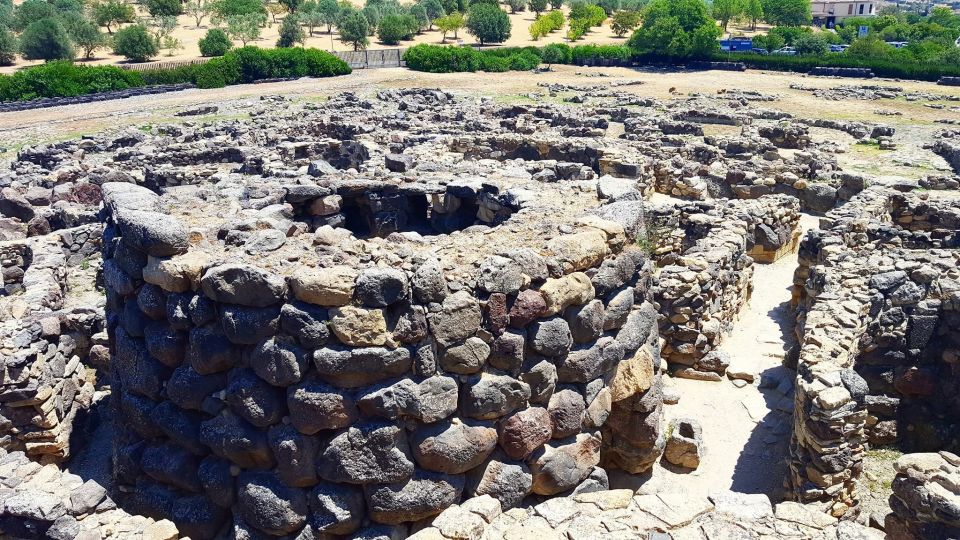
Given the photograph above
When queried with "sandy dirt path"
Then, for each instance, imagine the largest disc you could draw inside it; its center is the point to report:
(746, 430)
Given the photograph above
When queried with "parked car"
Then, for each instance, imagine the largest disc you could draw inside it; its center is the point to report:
(759, 50)
(786, 51)
(838, 48)
(898, 44)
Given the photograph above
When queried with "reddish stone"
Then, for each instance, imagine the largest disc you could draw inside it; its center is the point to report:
(497, 318)
(87, 193)
(525, 431)
(916, 382)
(526, 308)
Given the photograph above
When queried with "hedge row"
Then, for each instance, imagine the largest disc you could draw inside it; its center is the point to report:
(452, 59)
(880, 67)
(238, 66)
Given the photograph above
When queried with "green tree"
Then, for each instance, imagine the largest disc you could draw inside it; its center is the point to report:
(373, 16)
(556, 4)
(198, 10)
(451, 23)
(787, 12)
(329, 12)
(291, 32)
(676, 28)
(354, 30)
(538, 6)
(32, 11)
(516, 6)
(87, 36)
(46, 39)
(395, 28)
(724, 10)
(291, 5)
(753, 11)
(245, 28)
(811, 45)
(162, 8)
(870, 47)
(112, 12)
(223, 9)
(215, 43)
(489, 24)
(624, 22)
(419, 16)
(309, 16)
(609, 6)
(135, 43)
(8, 47)
(434, 9)
(771, 41)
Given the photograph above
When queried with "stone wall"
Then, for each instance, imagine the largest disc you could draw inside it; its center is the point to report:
(926, 497)
(334, 398)
(876, 290)
(41, 501)
(702, 286)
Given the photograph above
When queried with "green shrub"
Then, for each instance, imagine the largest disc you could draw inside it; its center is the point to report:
(437, 59)
(494, 64)
(354, 29)
(30, 12)
(524, 61)
(624, 22)
(215, 43)
(135, 43)
(64, 79)
(585, 54)
(557, 53)
(811, 44)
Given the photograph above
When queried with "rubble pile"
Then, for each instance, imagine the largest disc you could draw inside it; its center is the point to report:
(926, 496)
(41, 501)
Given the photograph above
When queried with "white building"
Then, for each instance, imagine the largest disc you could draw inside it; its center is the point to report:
(829, 12)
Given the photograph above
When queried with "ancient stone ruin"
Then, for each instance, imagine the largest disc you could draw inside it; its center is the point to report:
(414, 313)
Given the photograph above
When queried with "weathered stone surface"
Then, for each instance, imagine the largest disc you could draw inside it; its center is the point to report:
(465, 358)
(551, 337)
(367, 453)
(324, 286)
(424, 495)
(491, 396)
(559, 294)
(268, 505)
(453, 447)
(458, 319)
(523, 432)
(566, 408)
(243, 284)
(381, 287)
(279, 361)
(360, 327)
(315, 406)
(561, 465)
(507, 481)
(353, 368)
(336, 508)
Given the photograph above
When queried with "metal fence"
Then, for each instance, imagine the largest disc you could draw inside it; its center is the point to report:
(370, 59)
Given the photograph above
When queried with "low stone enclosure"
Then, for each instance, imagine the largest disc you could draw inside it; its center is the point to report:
(878, 288)
(349, 318)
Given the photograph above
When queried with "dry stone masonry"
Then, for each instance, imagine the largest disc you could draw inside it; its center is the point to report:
(357, 349)
(878, 293)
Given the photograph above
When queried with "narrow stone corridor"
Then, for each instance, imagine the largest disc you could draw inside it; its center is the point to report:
(746, 425)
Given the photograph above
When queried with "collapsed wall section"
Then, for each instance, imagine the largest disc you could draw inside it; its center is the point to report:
(268, 395)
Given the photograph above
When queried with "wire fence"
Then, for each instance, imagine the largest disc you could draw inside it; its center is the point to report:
(369, 59)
